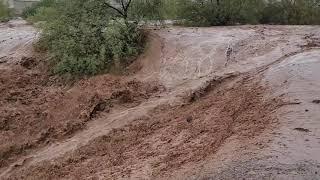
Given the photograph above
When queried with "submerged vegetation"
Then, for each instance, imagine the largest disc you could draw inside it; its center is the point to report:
(86, 37)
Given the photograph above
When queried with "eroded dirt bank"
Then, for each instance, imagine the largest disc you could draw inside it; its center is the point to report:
(189, 110)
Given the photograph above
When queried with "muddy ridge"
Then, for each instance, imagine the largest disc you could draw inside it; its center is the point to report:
(34, 112)
(188, 133)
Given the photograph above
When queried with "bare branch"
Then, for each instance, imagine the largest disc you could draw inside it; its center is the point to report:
(123, 10)
(116, 9)
(123, 6)
(128, 5)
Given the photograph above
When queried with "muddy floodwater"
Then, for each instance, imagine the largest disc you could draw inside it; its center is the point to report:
(236, 102)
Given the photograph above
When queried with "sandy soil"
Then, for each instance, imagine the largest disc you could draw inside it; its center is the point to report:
(189, 110)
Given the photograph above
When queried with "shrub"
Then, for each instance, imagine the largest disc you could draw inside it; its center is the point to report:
(229, 12)
(32, 10)
(209, 13)
(293, 12)
(43, 14)
(147, 9)
(85, 37)
(4, 11)
(124, 39)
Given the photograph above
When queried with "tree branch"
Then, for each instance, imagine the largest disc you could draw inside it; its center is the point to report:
(123, 6)
(128, 5)
(116, 9)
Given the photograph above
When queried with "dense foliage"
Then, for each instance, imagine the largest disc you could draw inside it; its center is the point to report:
(147, 9)
(4, 11)
(86, 37)
(153, 9)
(292, 12)
(33, 10)
(229, 12)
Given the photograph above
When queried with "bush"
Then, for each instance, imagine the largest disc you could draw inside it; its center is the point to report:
(85, 37)
(33, 10)
(147, 10)
(43, 14)
(230, 12)
(292, 12)
(4, 11)
(211, 13)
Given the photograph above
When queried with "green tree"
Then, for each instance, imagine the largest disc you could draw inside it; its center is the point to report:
(88, 37)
